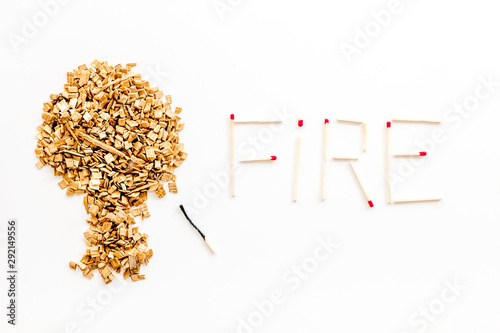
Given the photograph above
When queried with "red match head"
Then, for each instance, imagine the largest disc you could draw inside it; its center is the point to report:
(232, 116)
(273, 158)
(327, 121)
(301, 123)
(423, 153)
(388, 124)
(370, 203)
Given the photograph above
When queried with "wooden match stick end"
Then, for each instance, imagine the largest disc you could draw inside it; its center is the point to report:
(209, 245)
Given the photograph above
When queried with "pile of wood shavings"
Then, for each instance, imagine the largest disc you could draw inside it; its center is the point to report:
(113, 138)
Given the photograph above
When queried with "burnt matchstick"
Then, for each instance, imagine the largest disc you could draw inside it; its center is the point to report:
(270, 158)
(325, 148)
(199, 231)
(370, 202)
(388, 162)
(420, 153)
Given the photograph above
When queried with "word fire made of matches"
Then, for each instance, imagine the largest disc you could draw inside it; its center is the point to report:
(325, 158)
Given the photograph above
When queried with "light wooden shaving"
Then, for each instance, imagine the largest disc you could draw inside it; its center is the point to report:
(113, 138)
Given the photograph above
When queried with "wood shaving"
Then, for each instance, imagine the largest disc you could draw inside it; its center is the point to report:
(113, 138)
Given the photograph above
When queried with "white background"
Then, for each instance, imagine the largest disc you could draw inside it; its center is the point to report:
(259, 57)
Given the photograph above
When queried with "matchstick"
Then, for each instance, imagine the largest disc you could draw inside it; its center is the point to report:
(270, 158)
(297, 167)
(430, 121)
(346, 158)
(364, 136)
(232, 157)
(199, 231)
(209, 245)
(257, 122)
(389, 199)
(361, 184)
(325, 146)
(417, 200)
(352, 121)
(420, 153)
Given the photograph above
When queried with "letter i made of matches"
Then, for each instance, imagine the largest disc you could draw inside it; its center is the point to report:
(325, 148)
(199, 231)
(233, 193)
(370, 202)
(297, 165)
(388, 162)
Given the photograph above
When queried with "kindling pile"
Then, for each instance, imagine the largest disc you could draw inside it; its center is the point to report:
(113, 138)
